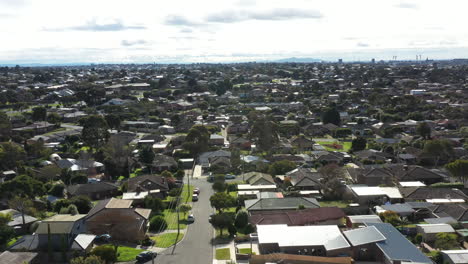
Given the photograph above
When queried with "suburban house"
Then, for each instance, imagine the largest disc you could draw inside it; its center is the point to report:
(287, 203)
(164, 162)
(216, 140)
(375, 176)
(63, 228)
(17, 220)
(366, 195)
(418, 173)
(433, 194)
(312, 216)
(305, 179)
(301, 143)
(457, 256)
(258, 178)
(396, 248)
(297, 259)
(459, 212)
(429, 231)
(204, 158)
(323, 240)
(94, 190)
(117, 218)
(88, 166)
(147, 183)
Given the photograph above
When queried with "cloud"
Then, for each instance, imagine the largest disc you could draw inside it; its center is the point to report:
(129, 43)
(407, 5)
(230, 16)
(177, 20)
(186, 30)
(93, 25)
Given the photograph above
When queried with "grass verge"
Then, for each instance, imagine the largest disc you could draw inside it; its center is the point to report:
(166, 240)
(223, 254)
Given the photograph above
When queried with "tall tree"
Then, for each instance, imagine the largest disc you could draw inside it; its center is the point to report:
(113, 121)
(22, 205)
(424, 130)
(265, 133)
(358, 144)
(11, 155)
(197, 140)
(331, 115)
(6, 232)
(39, 113)
(458, 169)
(117, 157)
(5, 127)
(221, 201)
(95, 130)
(440, 149)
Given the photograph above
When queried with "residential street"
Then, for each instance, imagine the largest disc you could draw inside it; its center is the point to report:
(196, 246)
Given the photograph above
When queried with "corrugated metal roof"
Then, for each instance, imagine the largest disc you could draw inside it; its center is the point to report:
(364, 235)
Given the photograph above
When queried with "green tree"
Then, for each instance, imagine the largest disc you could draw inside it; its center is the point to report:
(155, 204)
(6, 232)
(446, 241)
(221, 201)
(458, 169)
(197, 140)
(179, 174)
(113, 121)
(343, 132)
(167, 174)
(358, 144)
(219, 186)
(117, 157)
(5, 127)
(390, 217)
(39, 113)
(185, 208)
(22, 185)
(147, 156)
(242, 219)
(82, 203)
(105, 252)
(332, 181)
(331, 115)
(438, 150)
(221, 221)
(281, 167)
(95, 130)
(424, 130)
(22, 205)
(157, 223)
(265, 133)
(54, 118)
(12, 155)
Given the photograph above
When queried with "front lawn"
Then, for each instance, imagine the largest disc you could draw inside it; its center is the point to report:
(246, 251)
(127, 253)
(335, 145)
(223, 254)
(167, 240)
(171, 218)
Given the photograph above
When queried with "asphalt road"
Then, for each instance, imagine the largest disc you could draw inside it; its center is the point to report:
(196, 246)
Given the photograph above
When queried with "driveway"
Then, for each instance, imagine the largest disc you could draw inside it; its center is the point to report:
(196, 246)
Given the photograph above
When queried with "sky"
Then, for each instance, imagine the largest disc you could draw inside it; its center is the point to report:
(147, 31)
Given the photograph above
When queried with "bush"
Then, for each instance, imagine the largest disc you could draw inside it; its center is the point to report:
(158, 223)
(232, 230)
(174, 192)
(106, 252)
(231, 187)
(57, 190)
(457, 185)
(219, 186)
(418, 239)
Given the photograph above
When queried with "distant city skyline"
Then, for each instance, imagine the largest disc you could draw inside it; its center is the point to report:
(210, 31)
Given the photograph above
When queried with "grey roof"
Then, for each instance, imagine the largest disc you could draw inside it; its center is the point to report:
(27, 242)
(17, 219)
(457, 256)
(441, 220)
(17, 257)
(90, 188)
(82, 241)
(398, 208)
(281, 203)
(396, 246)
(364, 235)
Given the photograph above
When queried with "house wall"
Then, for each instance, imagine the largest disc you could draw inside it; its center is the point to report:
(121, 224)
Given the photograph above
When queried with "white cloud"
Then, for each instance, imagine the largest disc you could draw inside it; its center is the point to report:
(209, 30)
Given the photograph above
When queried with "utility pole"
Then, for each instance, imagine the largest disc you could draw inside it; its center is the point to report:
(178, 225)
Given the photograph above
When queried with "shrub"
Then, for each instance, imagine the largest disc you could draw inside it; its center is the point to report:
(418, 239)
(106, 252)
(242, 219)
(158, 223)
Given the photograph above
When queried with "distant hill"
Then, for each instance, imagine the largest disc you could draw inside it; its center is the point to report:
(298, 60)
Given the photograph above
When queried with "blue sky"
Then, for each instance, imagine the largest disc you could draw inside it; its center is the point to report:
(115, 31)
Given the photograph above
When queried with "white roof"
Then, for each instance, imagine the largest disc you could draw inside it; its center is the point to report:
(457, 256)
(328, 236)
(247, 192)
(391, 192)
(358, 219)
(442, 201)
(309, 192)
(412, 184)
(247, 187)
(137, 195)
(365, 235)
(436, 228)
(84, 240)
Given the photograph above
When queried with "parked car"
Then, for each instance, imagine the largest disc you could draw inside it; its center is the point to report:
(194, 197)
(196, 191)
(209, 217)
(230, 176)
(105, 238)
(146, 256)
(190, 218)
